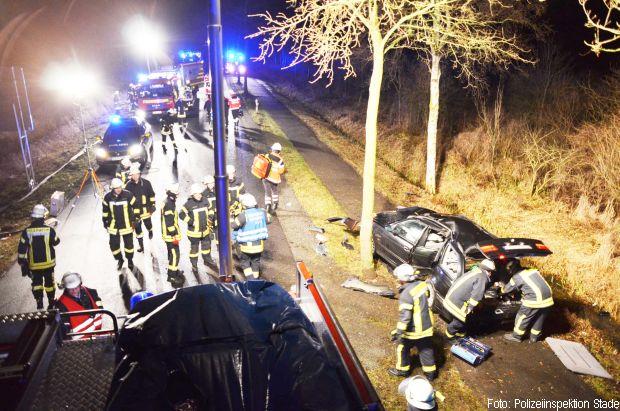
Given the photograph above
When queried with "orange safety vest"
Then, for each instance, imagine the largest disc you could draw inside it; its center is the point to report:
(277, 168)
(234, 103)
(81, 323)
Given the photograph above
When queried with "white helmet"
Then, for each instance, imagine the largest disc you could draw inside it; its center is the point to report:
(116, 183)
(125, 162)
(209, 179)
(404, 273)
(276, 147)
(173, 189)
(196, 188)
(38, 211)
(248, 200)
(135, 169)
(418, 392)
(71, 280)
(230, 170)
(487, 265)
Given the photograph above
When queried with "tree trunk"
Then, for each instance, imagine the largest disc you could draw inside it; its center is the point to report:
(370, 155)
(433, 115)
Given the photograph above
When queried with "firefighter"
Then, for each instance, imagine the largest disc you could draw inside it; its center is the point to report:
(415, 324)
(37, 257)
(536, 301)
(465, 294)
(419, 394)
(142, 190)
(167, 131)
(170, 231)
(251, 226)
(209, 194)
(122, 171)
(119, 215)
(234, 103)
(181, 114)
(76, 297)
(273, 179)
(199, 219)
(236, 189)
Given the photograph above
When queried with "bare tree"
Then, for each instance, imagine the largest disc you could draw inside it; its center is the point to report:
(470, 34)
(606, 28)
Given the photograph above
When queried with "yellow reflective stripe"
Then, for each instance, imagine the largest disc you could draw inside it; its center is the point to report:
(454, 310)
(401, 326)
(405, 306)
(517, 329)
(169, 212)
(399, 356)
(526, 277)
(417, 315)
(538, 304)
(535, 332)
(417, 335)
(473, 302)
(429, 368)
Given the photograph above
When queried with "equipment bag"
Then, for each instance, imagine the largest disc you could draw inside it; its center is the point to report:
(261, 166)
(471, 350)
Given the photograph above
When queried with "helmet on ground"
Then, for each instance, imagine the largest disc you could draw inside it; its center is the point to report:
(173, 189)
(135, 169)
(487, 265)
(125, 162)
(230, 170)
(209, 179)
(116, 183)
(418, 392)
(71, 280)
(248, 200)
(137, 297)
(276, 147)
(38, 211)
(196, 188)
(405, 273)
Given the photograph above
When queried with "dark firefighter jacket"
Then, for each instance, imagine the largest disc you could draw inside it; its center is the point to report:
(119, 212)
(415, 318)
(235, 189)
(198, 216)
(466, 291)
(170, 222)
(252, 230)
(535, 290)
(122, 174)
(166, 129)
(36, 246)
(145, 196)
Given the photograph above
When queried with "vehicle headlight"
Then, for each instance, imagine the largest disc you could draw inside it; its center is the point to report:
(101, 153)
(135, 150)
(140, 115)
(242, 69)
(230, 67)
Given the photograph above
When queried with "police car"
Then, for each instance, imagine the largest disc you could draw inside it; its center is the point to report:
(125, 137)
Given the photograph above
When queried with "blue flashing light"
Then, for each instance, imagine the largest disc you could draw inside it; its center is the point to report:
(231, 55)
(115, 119)
(240, 57)
(183, 55)
(142, 77)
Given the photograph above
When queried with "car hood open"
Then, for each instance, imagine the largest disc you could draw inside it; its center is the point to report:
(505, 248)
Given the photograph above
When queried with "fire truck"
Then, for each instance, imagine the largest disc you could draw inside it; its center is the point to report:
(157, 93)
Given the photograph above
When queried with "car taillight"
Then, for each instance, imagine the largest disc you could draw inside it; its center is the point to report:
(542, 247)
(488, 248)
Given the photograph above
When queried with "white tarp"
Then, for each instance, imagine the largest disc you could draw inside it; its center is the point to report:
(577, 358)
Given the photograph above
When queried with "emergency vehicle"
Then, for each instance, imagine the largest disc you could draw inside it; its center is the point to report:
(157, 93)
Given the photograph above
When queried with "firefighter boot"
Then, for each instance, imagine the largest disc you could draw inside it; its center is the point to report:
(268, 208)
(274, 208)
(119, 262)
(50, 300)
(39, 303)
(130, 264)
(150, 234)
(512, 337)
(140, 245)
(195, 267)
(398, 373)
(431, 375)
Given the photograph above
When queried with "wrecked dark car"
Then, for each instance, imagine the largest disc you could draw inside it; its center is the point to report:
(443, 247)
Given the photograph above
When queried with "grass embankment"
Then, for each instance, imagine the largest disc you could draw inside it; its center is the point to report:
(319, 204)
(505, 211)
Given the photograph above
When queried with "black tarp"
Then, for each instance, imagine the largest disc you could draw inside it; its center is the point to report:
(240, 346)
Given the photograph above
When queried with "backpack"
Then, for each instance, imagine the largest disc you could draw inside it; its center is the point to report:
(261, 166)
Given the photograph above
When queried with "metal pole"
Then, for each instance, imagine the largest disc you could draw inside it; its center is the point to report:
(221, 181)
(27, 101)
(19, 101)
(84, 135)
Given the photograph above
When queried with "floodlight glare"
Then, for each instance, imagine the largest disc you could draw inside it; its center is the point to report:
(71, 80)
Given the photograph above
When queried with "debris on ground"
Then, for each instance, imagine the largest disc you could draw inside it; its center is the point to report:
(352, 225)
(321, 247)
(345, 243)
(577, 358)
(356, 284)
(316, 229)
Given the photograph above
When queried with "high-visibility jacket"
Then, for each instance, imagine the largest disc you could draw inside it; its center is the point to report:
(251, 226)
(122, 174)
(234, 103)
(536, 292)
(415, 317)
(235, 189)
(198, 216)
(36, 246)
(277, 168)
(170, 222)
(145, 196)
(119, 212)
(89, 300)
(466, 291)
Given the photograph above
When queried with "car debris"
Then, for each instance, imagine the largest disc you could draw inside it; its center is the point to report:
(352, 225)
(354, 283)
(316, 229)
(577, 358)
(346, 244)
(321, 247)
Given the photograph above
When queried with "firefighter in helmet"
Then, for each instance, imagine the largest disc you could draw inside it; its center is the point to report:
(77, 297)
(236, 189)
(119, 215)
(36, 256)
(122, 171)
(251, 226)
(272, 182)
(170, 232)
(198, 216)
(143, 192)
(415, 324)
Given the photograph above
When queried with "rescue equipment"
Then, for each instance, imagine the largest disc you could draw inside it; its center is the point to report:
(261, 166)
(471, 350)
